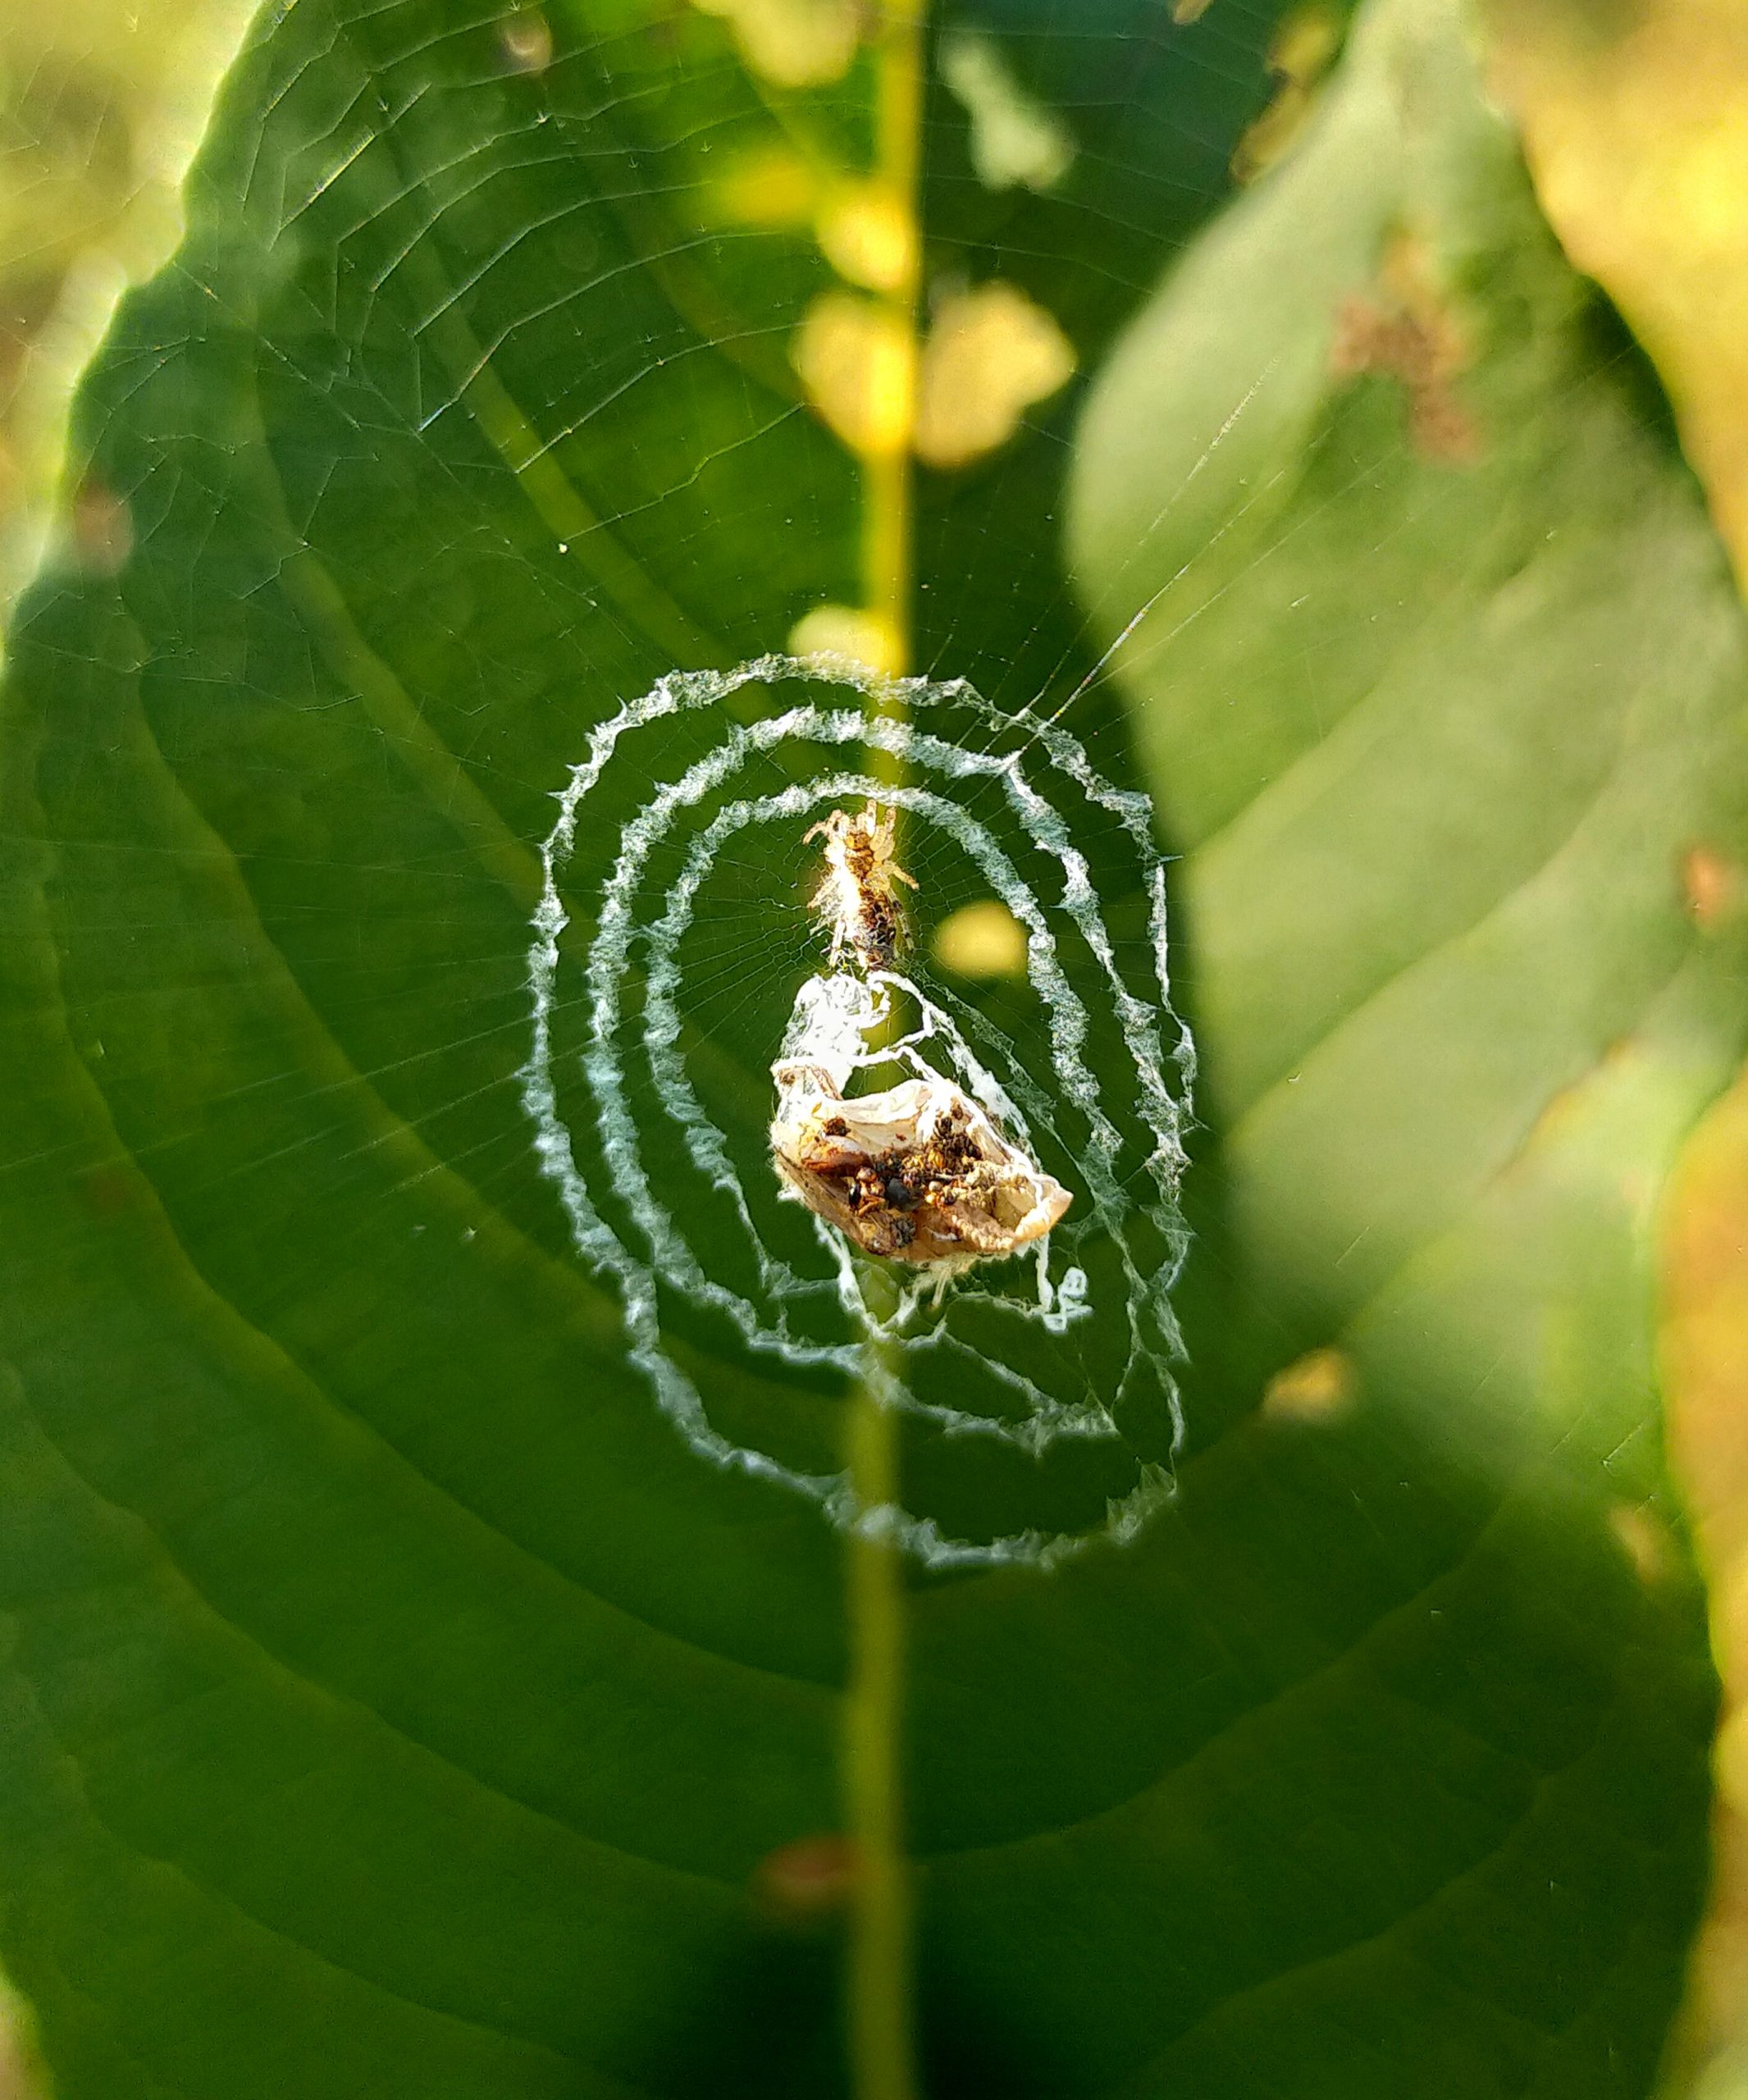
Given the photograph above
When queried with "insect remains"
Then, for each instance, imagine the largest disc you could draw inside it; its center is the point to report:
(921, 1172)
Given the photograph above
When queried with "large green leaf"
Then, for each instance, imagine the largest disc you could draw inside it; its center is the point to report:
(394, 1701)
(1439, 678)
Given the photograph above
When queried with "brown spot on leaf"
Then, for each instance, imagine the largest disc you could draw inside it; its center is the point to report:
(102, 528)
(808, 1882)
(1711, 887)
(1401, 330)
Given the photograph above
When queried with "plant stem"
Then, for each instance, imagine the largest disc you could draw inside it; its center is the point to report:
(881, 2045)
(882, 2049)
(887, 554)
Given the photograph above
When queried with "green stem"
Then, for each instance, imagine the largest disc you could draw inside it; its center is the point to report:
(882, 2047)
(881, 2044)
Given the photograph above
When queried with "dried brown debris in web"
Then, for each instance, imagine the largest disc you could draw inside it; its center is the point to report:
(918, 1174)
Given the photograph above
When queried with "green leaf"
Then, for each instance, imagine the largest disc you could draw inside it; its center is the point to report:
(1438, 675)
(394, 1701)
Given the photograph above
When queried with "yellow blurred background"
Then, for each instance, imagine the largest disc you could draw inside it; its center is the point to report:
(101, 105)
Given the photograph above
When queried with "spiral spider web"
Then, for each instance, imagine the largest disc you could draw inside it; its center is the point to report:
(1056, 1357)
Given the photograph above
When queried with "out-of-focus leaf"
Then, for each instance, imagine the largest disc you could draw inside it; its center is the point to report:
(1439, 678)
(1704, 1337)
(1703, 1350)
(1636, 122)
(101, 103)
(1634, 118)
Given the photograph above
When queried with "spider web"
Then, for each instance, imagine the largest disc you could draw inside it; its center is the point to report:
(500, 245)
(520, 441)
(1084, 1368)
(503, 246)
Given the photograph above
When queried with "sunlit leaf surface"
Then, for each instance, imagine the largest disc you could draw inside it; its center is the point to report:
(1635, 123)
(395, 1700)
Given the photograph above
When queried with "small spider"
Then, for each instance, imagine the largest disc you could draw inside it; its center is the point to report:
(857, 898)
